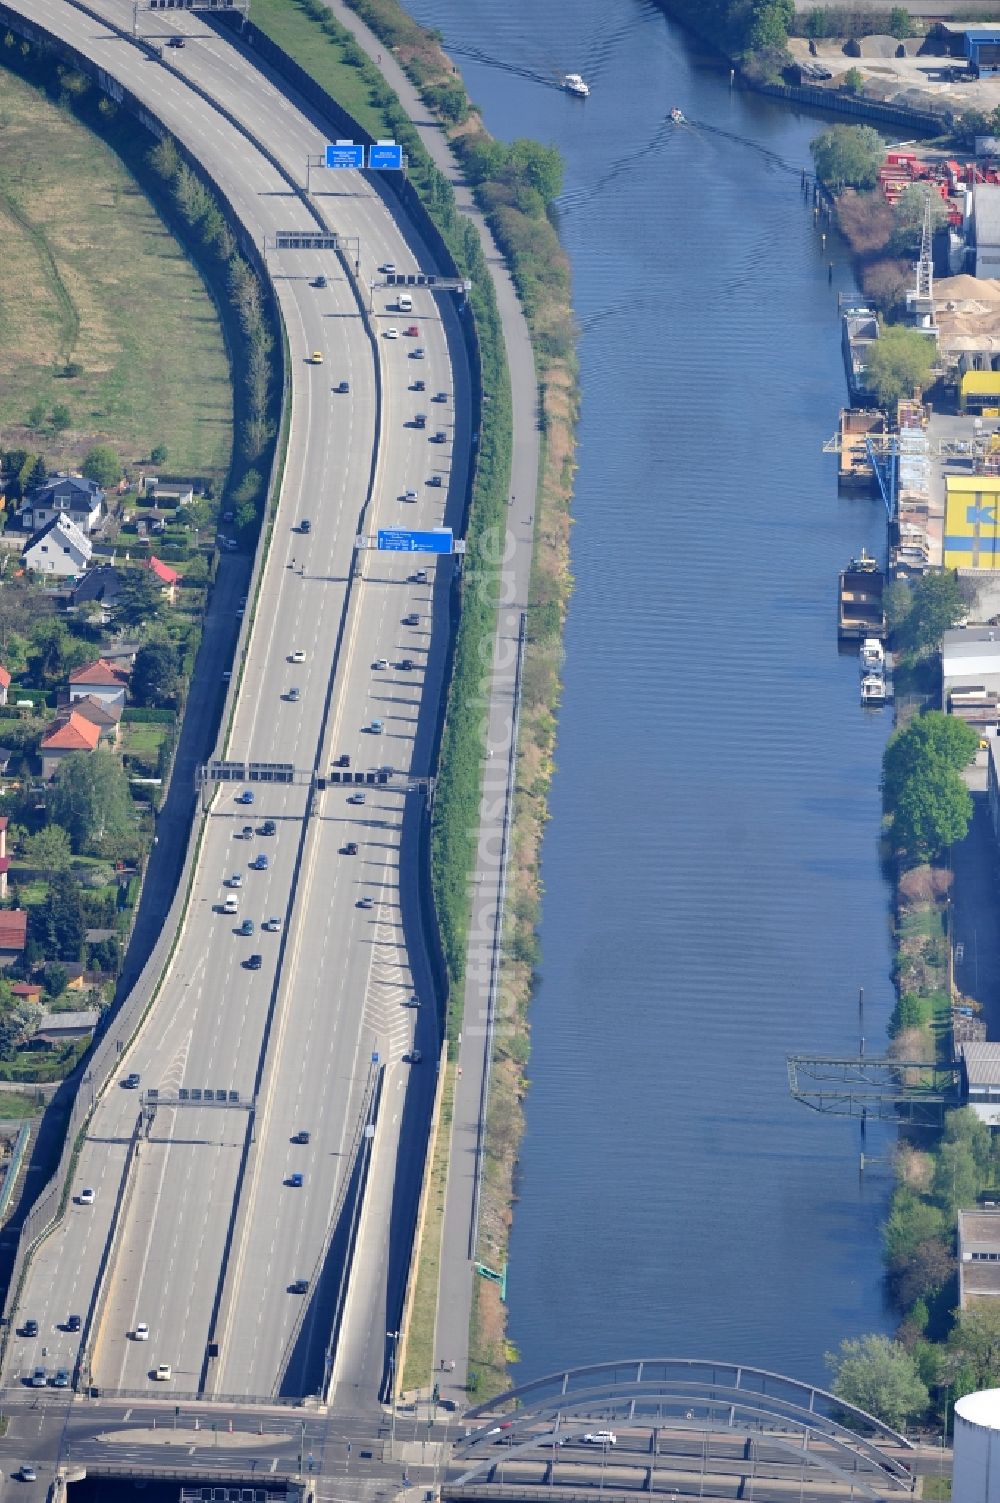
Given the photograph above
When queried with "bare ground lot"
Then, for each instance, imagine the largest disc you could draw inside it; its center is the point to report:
(91, 275)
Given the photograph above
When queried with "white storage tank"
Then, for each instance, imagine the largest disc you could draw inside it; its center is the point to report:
(976, 1474)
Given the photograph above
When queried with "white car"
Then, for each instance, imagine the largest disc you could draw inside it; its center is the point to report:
(141, 1332)
(600, 1438)
(388, 268)
(164, 1372)
(298, 656)
(86, 1197)
(272, 925)
(380, 663)
(236, 880)
(392, 333)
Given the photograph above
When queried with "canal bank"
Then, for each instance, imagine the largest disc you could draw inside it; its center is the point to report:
(712, 890)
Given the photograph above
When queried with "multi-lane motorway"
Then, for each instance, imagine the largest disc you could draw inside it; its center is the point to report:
(213, 1230)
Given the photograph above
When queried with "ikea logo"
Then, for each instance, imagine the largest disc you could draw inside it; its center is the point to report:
(987, 514)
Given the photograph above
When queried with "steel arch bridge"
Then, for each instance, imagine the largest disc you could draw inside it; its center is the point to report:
(693, 1426)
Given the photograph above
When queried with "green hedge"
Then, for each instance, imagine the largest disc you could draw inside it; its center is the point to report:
(140, 716)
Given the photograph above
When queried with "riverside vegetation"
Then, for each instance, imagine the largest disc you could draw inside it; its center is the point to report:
(515, 186)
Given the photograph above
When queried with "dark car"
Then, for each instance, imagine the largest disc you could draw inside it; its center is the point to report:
(440, 396)
(344, 387)
(407, 665)
(351, 848)
(131, 1082)
(343, 760)
(30, 1328)
(299, 1286)
(269, 827)
(418, 385)
(254, 963)
(435, 480)
(411, 620)
(259, 863)
(319, 281)
(61, 1379)
(301, 1137)
(246, 797)
(420, 420)
(246, 929)
(294, 1181)
(176, 42)
(305, 525)
(440, 437)
(73, 1323)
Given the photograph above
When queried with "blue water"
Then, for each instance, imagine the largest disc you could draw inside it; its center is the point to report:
(713, 898)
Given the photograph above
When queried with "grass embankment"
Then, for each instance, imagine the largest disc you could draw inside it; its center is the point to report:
(94, 280)
(513, 186)
(14, 1106)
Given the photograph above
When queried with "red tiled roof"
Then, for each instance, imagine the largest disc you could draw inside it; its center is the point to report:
(101, 672)
(4, 679)
(4, 864)
(26, 989)
(13, 928)
(163, 571)
(3, 823)
(71, 733)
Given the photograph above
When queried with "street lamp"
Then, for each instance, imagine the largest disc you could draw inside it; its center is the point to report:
(393, 1336)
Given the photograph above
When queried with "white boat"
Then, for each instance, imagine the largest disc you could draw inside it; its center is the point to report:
(677, 116)
(873, 690)
(574, 84)
(872, 656)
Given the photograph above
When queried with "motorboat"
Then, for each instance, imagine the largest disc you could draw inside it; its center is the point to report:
(872, 656)
(873, 689)
(677, 116)
(574, 84)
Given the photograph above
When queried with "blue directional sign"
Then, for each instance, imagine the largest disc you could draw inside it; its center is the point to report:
(344, 154)
(401, 540)
(385, 156)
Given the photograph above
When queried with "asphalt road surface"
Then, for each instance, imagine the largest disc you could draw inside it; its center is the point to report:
(298, 1034)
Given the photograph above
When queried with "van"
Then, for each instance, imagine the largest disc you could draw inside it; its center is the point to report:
(231, 904)
(404, 303)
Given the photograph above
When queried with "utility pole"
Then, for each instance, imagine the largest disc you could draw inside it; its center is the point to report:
(393, 1337)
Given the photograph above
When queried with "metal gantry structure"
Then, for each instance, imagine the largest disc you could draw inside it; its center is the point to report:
(914, 1093)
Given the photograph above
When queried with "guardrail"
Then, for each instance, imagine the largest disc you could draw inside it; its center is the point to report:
(14, 1167)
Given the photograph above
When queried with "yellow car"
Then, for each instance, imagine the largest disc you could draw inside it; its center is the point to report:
(316, 358)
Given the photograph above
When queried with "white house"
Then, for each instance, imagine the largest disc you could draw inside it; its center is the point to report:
(64, 496)
(60, 548)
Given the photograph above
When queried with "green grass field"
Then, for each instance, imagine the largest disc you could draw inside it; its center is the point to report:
(14, 1106)
(91, 275)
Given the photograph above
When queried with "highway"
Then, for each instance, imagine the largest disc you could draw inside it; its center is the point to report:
(211, 1233)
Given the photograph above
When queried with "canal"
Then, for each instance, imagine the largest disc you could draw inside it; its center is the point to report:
(713, 898)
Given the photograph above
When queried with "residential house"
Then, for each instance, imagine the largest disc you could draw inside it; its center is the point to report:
(68, 733)
(101, 584)
(13, 934)
(4, 858)
(107, 717)
(99, 680)
(27, 991)
(4, 685)
(169, 578)
(55, 1028)
(60, 549)
(63, 496)
(169, 493)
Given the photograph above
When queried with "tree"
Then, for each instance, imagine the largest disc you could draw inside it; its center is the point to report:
(924, 795)
(57, 924)
(90, 798)
(854, 80)
(879, 1376)
(155, 679)
(55, 978)
(936, 603)
(50, 850)
(924, 1274)
(848, 156)
(956, 1177)
(103, 466)
(60, 418)
(770, 23)
(975, 1342)
(540, 166)
(900, 23)
(911, 1222)
(158, 454)
(138, 599)
(898, 363)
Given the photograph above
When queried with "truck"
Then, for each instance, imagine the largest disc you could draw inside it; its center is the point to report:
(404, 303)
(860, 609)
